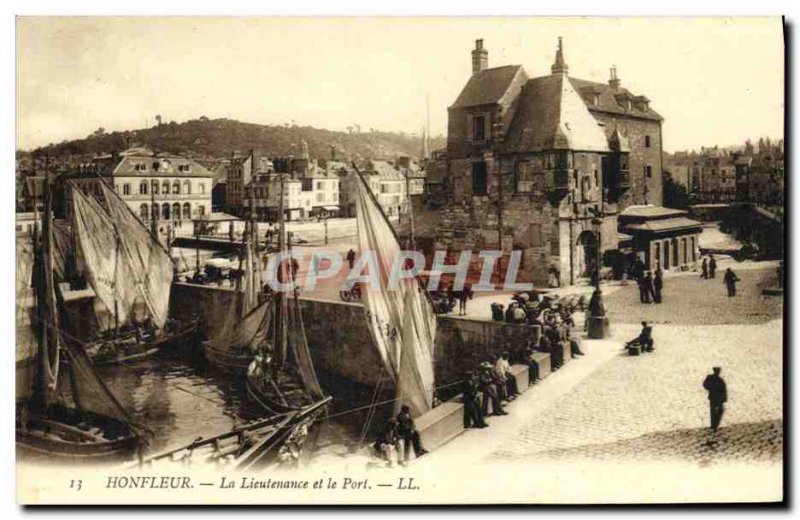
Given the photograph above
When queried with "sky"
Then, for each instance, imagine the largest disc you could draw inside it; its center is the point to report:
(714, 80)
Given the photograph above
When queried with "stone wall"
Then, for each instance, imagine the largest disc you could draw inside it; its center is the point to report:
(340, 342)
(210, 302)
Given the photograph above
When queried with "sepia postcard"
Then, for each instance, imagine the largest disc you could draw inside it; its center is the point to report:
(400, 260)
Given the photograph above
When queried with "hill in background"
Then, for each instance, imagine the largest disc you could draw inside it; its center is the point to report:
(205, 138)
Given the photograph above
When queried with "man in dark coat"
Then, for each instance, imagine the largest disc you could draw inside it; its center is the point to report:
(704, 267)
(646, 287)
(351, 258)
(408, 433)
(386, 443)
(658, 284)
(717, 396)
(730, 280)
(638, 269)
(486, 384)
(473, 417)
(645, 338)
(712, 266)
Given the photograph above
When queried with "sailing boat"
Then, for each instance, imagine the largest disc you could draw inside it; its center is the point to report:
(232, 348)
(281, 377)
(77, 417)
(130, 273)
(401, 320)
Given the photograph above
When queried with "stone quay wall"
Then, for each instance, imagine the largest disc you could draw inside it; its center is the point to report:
(340, 342)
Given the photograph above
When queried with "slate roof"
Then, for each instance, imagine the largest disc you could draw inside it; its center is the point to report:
(666, 224)
(650, 211)
(167, 165)
(609, 99)
(487, 86)
(551, 115)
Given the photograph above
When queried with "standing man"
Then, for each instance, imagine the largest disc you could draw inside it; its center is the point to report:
(658, 284)
(730, 280)
(351, 258)
(717, 396)
(473, 418)
(712, 266)
(704, 267)
(647, 287)
(465, 294)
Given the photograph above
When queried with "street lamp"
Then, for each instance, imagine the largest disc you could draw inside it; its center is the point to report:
(597, 320)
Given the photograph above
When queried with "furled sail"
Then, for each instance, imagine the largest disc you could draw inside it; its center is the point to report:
(120, 259)
(148, 262)
(101, 254)
(237, 333)
(400, 319)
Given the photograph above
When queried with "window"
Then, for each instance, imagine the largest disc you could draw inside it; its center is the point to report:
(319, 185)
(176, 187)
(536, 235)
(155, 187)
(143, 188)
(648, 170)
(479, 178)
(126, 189)
(187, 211)
(202, 188)
(647, 141)
(479, 128)
(187, 187)
(144, 212)
(165, 188)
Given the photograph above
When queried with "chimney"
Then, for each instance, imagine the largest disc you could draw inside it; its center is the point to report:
(559, 66)
(614, 80)
(333, 152)
(480, 57)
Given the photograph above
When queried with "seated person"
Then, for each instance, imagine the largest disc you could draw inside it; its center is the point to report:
(497, 312)
(519, 315)
(533, 367)
(574, 344)
(386, 443)
(502, 369)
(510, 312)
(644, 339)
(407, 432)
(487, 385)
(473, 416)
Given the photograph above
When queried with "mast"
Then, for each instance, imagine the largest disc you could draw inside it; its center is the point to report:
(281, 310)
(46, 310)
(411, 242)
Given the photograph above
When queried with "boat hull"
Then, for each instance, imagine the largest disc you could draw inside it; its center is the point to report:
(58, 441)
(232, 364)
(142, 350)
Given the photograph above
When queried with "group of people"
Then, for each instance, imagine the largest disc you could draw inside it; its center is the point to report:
(651, 283)
(398, 437)
(708, 269)
(490, 383)
(493, 383)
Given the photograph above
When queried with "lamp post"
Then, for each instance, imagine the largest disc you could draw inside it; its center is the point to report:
(597, 320)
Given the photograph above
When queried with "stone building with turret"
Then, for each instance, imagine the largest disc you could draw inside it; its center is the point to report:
(544, 165)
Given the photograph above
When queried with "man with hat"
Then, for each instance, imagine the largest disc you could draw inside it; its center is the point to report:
(502, 368)
(407, 432)
(717, 396)
(486, 384)
(472, 411)
(386, 443)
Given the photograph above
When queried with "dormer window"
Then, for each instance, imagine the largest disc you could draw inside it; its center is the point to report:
(479, 128)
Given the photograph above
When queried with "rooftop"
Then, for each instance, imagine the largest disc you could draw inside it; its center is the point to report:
(651, 211)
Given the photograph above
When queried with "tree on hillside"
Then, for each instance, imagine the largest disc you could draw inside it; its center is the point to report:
(675, 194)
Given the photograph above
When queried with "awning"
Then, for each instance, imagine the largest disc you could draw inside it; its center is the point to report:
(326, 208)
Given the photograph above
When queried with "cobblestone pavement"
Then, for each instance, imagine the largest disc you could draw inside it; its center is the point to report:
(690, 300)
(656, 401)
(744, 442)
